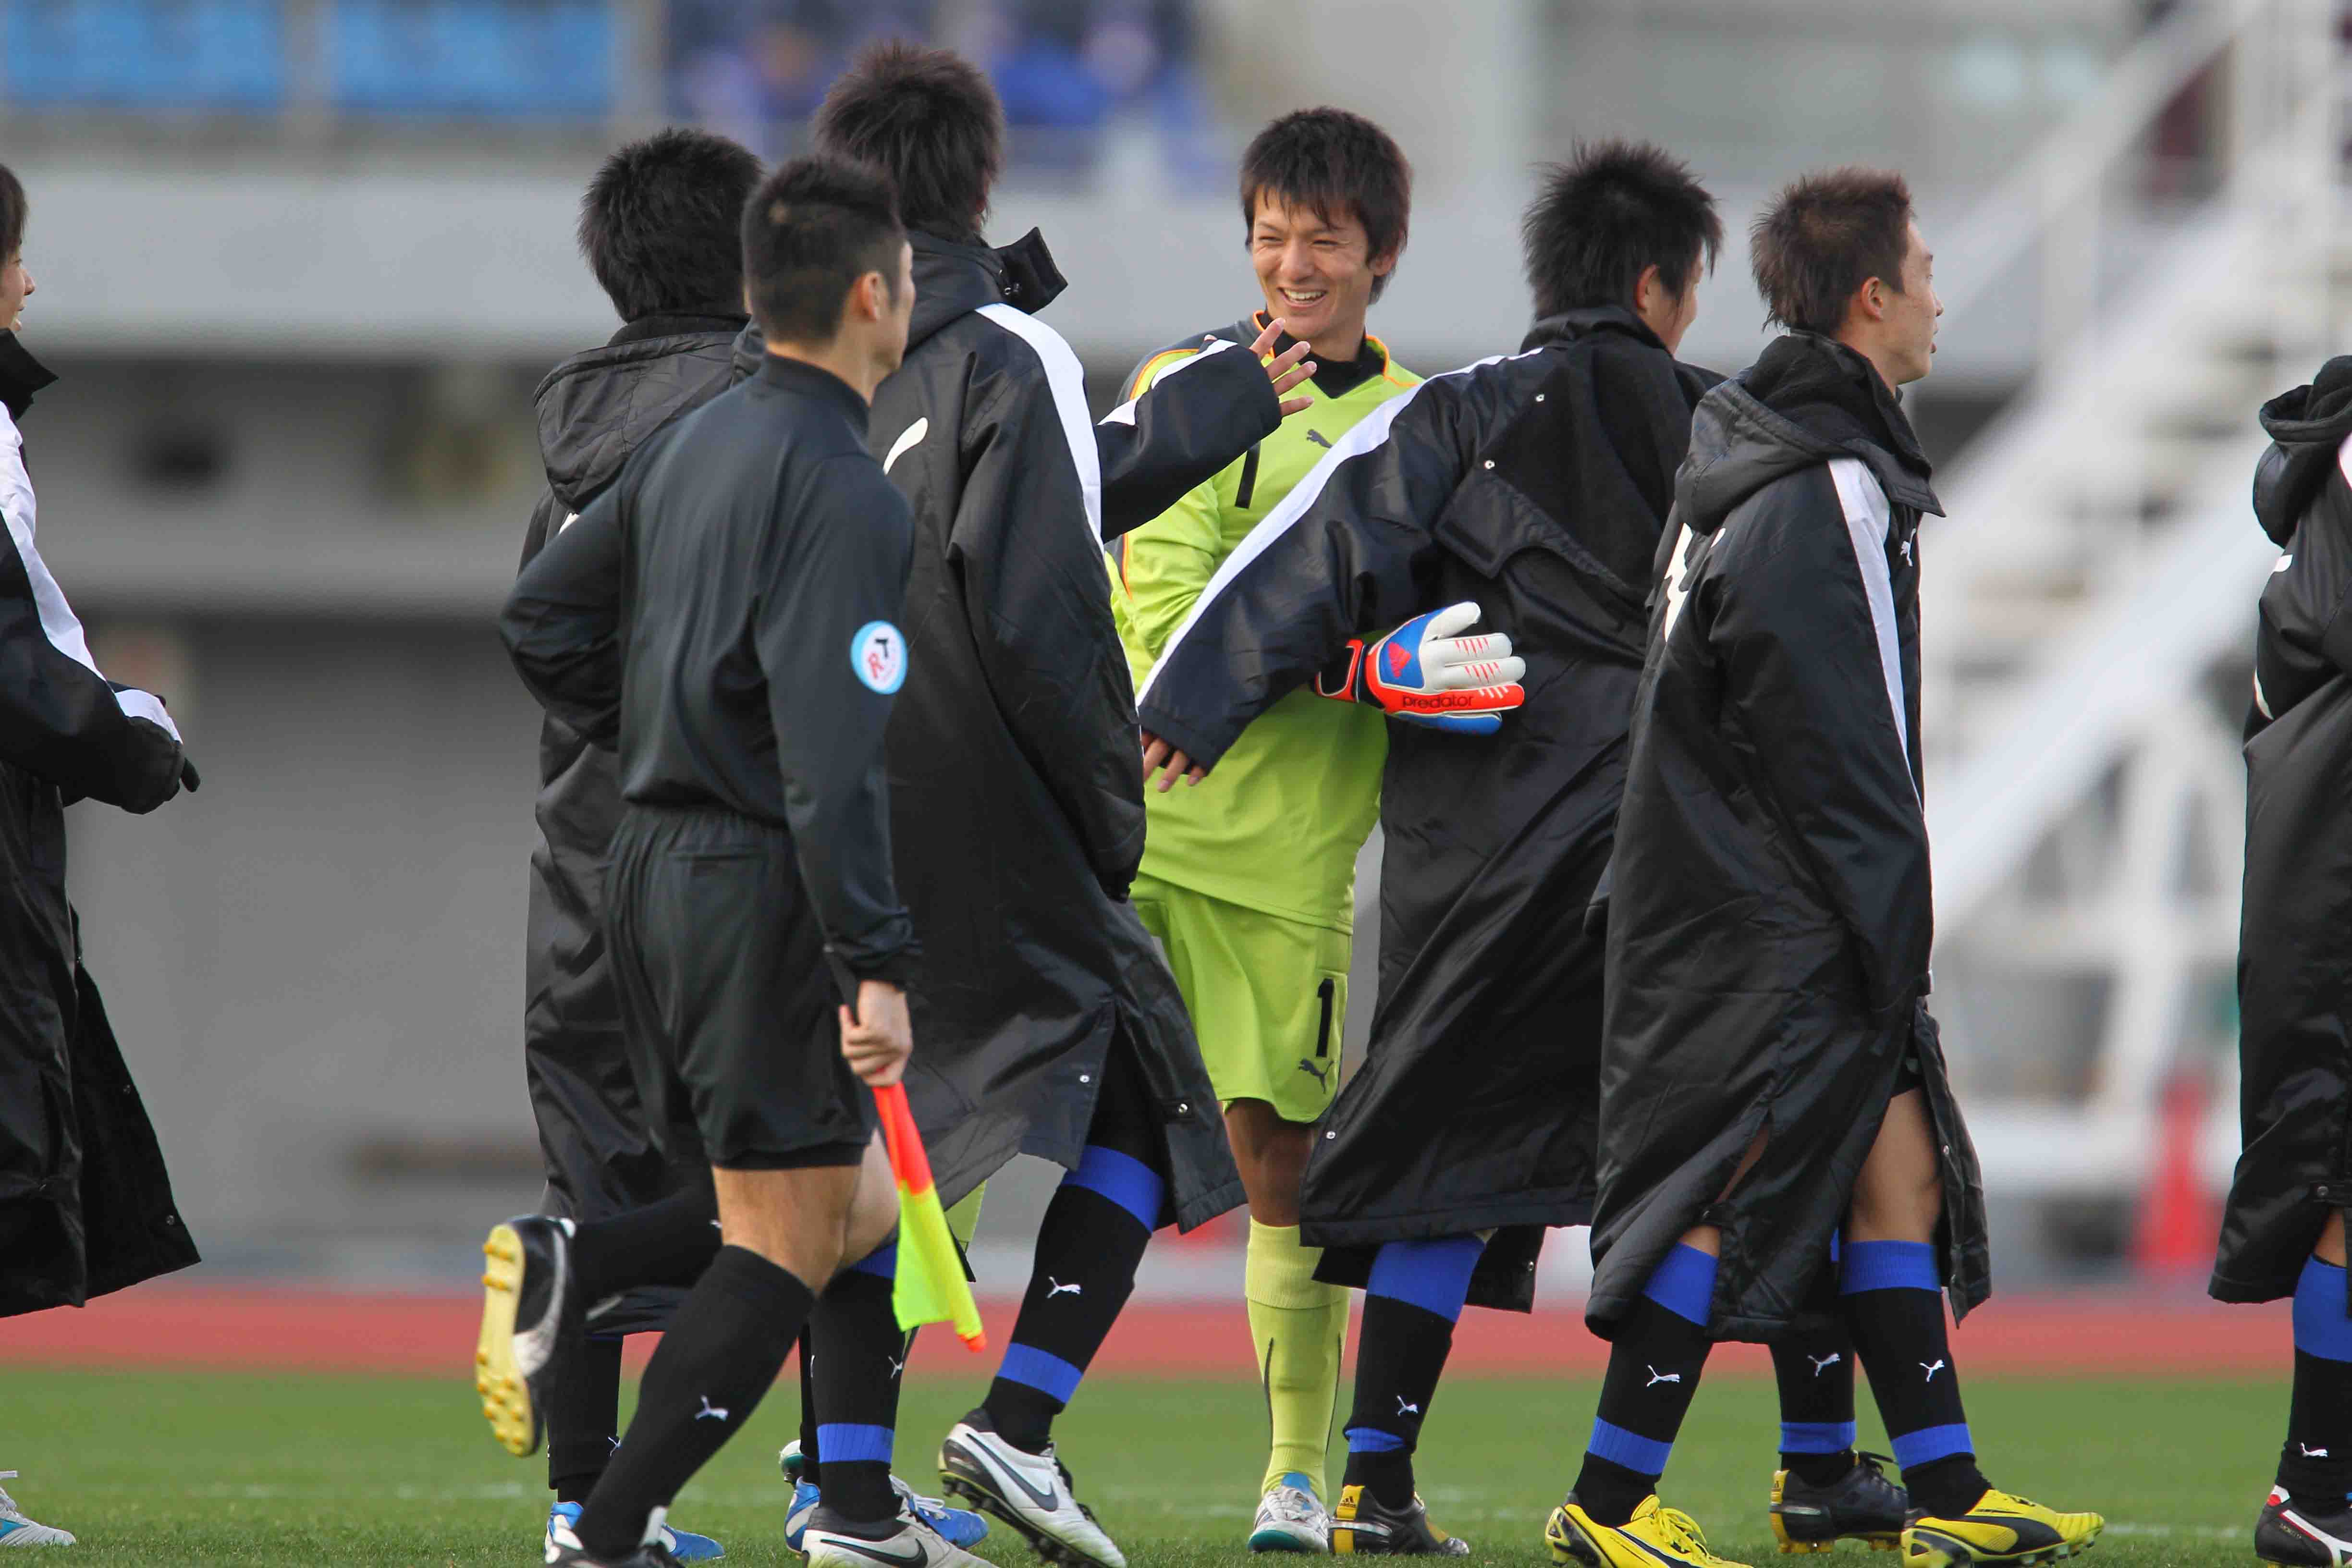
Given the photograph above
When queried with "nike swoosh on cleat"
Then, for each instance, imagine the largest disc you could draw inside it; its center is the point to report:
(896, 1560)
(1044, 1499)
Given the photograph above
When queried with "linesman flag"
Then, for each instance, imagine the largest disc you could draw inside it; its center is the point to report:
(930, 1286)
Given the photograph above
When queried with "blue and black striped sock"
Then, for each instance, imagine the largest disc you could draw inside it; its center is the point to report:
(1088, 1245)
(1411, 1304)
(2315, 1465)
(1653, 1369)
(1892, 1301)
(856, 1353)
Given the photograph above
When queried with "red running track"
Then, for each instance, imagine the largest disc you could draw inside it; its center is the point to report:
(323, 1330)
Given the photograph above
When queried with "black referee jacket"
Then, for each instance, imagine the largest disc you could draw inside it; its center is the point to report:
(1771, 918)
(727, 612)
(1536, 485)
(2294, 944)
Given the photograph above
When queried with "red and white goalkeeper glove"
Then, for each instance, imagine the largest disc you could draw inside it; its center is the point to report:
(1424, 674)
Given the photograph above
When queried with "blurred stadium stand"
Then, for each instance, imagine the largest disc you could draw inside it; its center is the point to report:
(301, 262)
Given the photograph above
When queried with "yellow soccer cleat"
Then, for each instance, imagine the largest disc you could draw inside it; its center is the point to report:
(1998, 1528)
(1654, 1537)
(526, 1308)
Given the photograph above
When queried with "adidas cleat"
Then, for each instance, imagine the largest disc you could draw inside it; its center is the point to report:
(527, 1315)
(1031, 1492)
(1361, 1526)
(961, 1526)
(2000, 1528)
(682, 1545)
(2286, 1534)
(565, 1551)
(15, 1530)
(1861, 1505)
(1654, 1537)
(1291, 1517)
(831, 1543)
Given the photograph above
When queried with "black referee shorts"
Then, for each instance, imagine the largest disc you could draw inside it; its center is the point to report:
(725, 999)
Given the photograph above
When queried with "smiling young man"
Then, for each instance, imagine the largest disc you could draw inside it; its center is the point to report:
(1248, 882)
(1778, 1140)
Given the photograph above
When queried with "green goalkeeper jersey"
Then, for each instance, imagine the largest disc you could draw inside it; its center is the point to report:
(1278, 825)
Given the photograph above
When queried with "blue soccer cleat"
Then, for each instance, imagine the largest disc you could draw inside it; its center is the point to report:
(959, 1527)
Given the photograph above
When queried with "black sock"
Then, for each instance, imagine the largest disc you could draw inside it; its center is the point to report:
(860, 1353)
(583, 1419)
(721, 1352)
(1893, 1303)
(1411, 1304)
(809, 1471)
(1815, 1371)
(667, 1243)
(2315, 1465)
(1653, 1369)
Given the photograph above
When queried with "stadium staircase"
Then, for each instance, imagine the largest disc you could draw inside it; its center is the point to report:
(2088, 603)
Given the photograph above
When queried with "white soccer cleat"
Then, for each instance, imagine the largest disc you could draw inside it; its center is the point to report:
(15, 1530)
(1291, 1517)
(913, 1545)
(1031, 1492)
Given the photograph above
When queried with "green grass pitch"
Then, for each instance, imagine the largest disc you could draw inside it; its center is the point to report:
(235, 1469)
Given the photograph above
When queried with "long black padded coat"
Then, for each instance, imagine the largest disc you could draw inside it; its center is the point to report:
(1016, 781)
(1770, 917)
(1536, 485)
(86, 1205)
(595, 410)
(2294, 945)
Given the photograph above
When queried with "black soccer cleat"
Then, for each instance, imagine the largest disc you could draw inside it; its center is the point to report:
(2289, 1535)
(1861, 1505)
(1361, 1527)
(531, 1314)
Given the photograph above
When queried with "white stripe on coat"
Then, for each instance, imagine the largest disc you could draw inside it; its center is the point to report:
(1125, 413)
(1367, 435)
(1867, 520)
(59, 622)
(1068, 382)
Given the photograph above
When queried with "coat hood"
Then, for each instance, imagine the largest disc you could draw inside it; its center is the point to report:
(596, 409)
(952, 279)
(1806, 400)
(2306, 427)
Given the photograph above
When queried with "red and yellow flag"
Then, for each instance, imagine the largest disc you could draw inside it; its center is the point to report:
(930, 1288)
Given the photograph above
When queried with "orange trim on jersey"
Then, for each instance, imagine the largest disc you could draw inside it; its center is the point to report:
(1122, 566)
(1150, 370)
(1387, 363)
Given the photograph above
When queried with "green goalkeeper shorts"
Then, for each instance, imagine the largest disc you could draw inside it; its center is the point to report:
(1267, 995)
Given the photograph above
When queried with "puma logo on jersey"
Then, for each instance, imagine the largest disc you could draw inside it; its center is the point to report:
(710, 1412)
(908, 439)
(1056, 1287)
(1930, 1370)
(1822, 1363)
(1658, 1377)
(1317, 436)
(1321, 1075)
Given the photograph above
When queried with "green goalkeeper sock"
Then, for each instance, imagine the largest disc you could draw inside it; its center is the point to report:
(1297, 1324)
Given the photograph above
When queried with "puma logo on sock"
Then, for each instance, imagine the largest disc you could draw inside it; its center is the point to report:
(1822, 1363)
(710, 1412)
(896, 1366)
(1931, 1371)
(1056, 1287)
(1405, 1409)
(2311, 1453)
(1658, 1377)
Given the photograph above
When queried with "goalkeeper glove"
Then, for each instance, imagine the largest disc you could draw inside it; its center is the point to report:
(1424, 674)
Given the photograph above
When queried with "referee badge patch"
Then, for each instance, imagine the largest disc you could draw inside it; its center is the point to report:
(878, 656)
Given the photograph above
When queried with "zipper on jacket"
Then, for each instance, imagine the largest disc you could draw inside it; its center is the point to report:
(1249, 482)
(1323, 1032)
